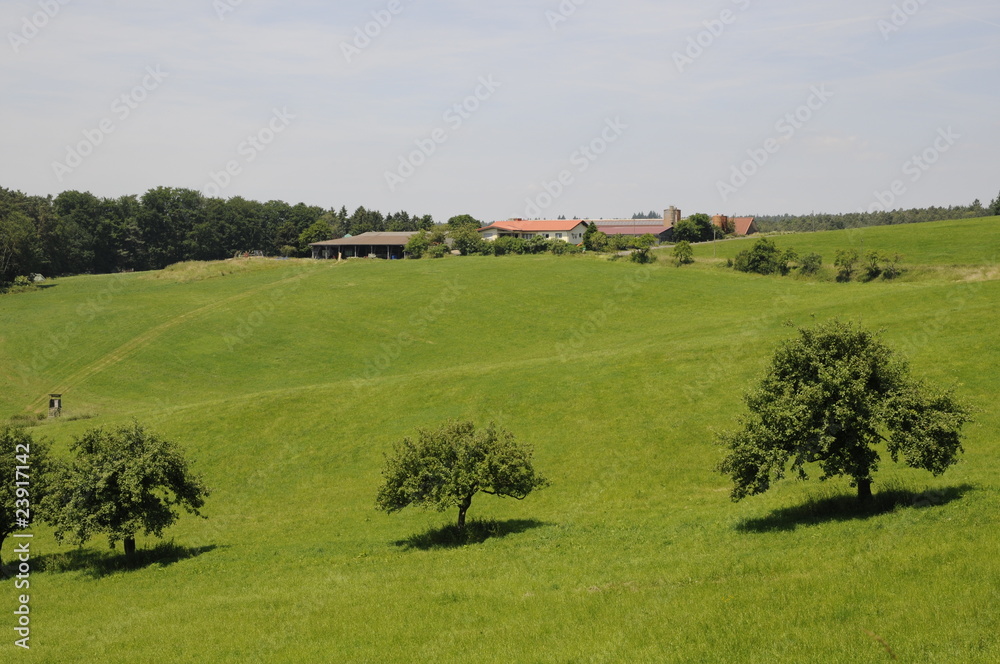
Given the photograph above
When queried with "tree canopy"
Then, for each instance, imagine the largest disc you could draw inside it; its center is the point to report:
(464, 220)
(77, 232)
(829, 397)
(446, 467)
(121, 482)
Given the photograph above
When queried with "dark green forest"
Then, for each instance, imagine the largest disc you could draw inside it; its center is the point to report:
(79, 233)
(835, 222)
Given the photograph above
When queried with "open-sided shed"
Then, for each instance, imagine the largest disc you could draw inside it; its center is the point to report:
(367, 245)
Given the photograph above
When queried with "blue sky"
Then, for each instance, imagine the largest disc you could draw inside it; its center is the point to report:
(688, 121)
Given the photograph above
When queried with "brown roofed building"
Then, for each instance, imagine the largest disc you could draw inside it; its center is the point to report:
(739, 225)
(367, 245)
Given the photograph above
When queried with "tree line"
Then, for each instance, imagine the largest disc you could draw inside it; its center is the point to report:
(78, 232)
(835, 222)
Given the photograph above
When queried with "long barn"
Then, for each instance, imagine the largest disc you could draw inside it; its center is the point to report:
(389, 246)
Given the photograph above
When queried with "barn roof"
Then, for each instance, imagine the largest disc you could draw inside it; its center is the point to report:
(546, 226)
(369, 240)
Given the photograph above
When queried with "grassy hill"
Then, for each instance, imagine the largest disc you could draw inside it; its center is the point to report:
(965, 242)
(287, 380)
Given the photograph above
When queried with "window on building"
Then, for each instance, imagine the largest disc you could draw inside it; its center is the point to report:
(559, 236)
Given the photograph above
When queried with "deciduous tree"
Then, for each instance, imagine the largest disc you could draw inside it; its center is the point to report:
(121, 482)
(446, 467)
(829, 397)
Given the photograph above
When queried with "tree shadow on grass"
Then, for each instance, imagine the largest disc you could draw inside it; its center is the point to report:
(99, 564)
(476, 532)
(847, 507)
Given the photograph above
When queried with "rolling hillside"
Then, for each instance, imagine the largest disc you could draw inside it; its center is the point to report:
(286, 381)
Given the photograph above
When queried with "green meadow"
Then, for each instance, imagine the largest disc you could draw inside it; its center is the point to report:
(286, 381)
(945, 243)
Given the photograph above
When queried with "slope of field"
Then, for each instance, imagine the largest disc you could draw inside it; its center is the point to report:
(287, 383)
(964, 242)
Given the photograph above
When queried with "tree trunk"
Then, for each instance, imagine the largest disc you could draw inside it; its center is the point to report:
(462, 509)
(129, 547)
(864, 490)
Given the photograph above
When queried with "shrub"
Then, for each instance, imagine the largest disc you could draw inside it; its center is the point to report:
(763, 258)
(418, 245)
(560, 248)
(509, 245)
(598, 242)
(437, 251)
(467, 239)
(683, 254)
(643, 256)
(890, 268)
(537, 245)
(811, 264)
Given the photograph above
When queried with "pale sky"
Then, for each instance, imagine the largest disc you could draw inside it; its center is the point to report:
(666, 120)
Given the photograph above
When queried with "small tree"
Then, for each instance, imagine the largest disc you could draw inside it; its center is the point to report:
(122, 482)
(447, 467)
(683, 254)
(829, 396)
(686, 231)
(846, 263)
(873, 264)
(22, 460)
(417, 245)
(467, 239)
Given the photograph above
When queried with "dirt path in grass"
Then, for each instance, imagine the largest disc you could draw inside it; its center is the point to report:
(125, 350)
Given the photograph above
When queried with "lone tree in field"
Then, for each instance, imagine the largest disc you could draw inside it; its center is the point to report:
(829, 396)
(447, 467)
(122, 482)
(24, 462)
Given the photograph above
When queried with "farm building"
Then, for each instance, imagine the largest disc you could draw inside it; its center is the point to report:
(570, 230)
(367, 245)
(740, 225)
(663, 229)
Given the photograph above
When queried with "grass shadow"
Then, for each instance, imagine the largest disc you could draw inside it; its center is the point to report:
(99, 564)
(847, 507)
(476, 532)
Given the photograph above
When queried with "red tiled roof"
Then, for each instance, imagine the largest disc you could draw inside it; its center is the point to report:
(521, 226)
(743, 224)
